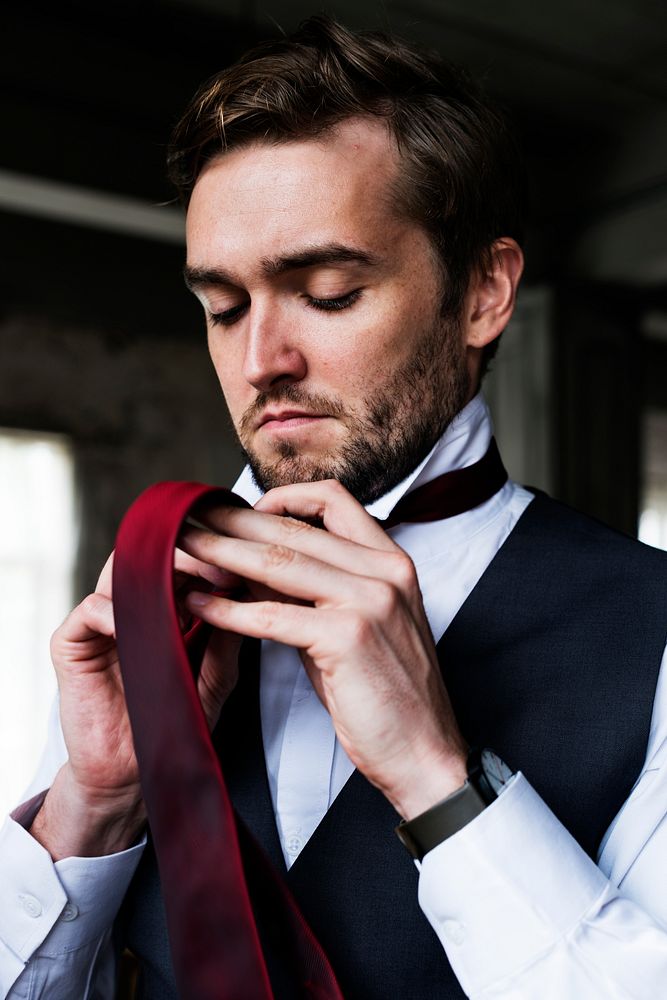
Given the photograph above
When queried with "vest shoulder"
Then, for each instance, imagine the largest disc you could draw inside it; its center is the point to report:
(562, 528)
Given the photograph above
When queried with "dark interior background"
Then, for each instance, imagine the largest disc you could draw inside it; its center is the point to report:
(98, 337)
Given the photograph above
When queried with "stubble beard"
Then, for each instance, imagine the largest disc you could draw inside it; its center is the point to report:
(401, 423)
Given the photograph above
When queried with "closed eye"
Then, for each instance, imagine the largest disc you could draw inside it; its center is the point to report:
(330, 305)
(229, 316)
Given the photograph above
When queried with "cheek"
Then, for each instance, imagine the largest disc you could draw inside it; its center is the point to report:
(228, 368)
(350, 362)
(384, 346)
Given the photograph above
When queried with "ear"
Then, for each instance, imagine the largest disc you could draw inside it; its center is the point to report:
(492, 294)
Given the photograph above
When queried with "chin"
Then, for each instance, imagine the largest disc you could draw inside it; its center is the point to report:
(287, 471)
(285, 463)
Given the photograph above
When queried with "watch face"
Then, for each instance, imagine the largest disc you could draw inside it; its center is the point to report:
(496, 771)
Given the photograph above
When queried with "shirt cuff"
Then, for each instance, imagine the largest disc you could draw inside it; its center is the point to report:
(60, 906)
(506, 887)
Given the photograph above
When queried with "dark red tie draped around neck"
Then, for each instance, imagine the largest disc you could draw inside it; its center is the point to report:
(452, 493)
(215, 945)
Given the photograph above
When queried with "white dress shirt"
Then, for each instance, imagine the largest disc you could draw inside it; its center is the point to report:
(520, 909)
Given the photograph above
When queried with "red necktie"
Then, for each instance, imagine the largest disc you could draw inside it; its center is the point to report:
(215, 946)
(452, 493)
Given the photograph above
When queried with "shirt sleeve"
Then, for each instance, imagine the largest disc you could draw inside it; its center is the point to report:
(56, 918)
(524, 914)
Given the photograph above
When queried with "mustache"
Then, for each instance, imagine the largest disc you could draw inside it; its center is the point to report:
(289, 393)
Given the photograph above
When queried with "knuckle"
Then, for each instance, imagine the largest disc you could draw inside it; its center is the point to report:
(292, 526)
(388, 600)
(403, 571)
(277, 556)
(385, 600)
(89, 606)
(215, 684)
(56, 636)
(207, 540)
(335, 487)
(358, 628)
(265, 616)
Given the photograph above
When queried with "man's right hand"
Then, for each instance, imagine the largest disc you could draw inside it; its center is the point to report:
(94, 806)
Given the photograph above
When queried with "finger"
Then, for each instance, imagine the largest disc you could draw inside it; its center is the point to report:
(292, 624)
(327, 503)
(94, 616)
(183, 563)
(353, 557)
(219, 671)
(283, 536)
(189, 568)
(103, 585)
(283, 569)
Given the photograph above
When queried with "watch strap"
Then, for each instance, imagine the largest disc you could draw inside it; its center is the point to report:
(430, 828)
(486, 776)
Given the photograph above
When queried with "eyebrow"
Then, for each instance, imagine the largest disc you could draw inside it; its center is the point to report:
(317, 256)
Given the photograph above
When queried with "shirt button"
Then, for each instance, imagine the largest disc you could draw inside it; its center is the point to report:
(293, 845)
(32, 906)
(454, 931)
(70, 912)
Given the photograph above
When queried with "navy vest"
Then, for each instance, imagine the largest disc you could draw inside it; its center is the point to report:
(552, 661)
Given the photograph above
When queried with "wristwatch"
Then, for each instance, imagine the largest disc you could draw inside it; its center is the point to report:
(487, 774)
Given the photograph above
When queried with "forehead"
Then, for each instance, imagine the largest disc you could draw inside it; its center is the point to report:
(263, 198)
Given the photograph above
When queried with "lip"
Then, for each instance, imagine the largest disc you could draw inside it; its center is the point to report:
(285, 419)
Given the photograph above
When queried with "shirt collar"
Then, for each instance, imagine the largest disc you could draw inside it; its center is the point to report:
(464, 442)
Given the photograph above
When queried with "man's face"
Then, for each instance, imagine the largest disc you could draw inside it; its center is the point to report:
(323, 311)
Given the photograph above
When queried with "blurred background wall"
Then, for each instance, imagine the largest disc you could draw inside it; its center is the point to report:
(103, 363)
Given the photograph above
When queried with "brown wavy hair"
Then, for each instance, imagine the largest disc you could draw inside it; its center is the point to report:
(463, 178)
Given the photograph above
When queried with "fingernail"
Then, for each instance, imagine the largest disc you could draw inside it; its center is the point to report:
(197, 599)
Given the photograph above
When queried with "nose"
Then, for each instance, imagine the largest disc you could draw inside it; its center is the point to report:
(272, 355)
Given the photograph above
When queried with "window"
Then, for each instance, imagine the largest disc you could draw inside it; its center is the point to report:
(653, 506)
(37, 550)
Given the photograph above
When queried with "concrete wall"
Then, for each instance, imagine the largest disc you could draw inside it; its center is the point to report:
(137, 411)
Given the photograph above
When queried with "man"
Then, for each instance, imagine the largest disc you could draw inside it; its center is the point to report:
(352, 232)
